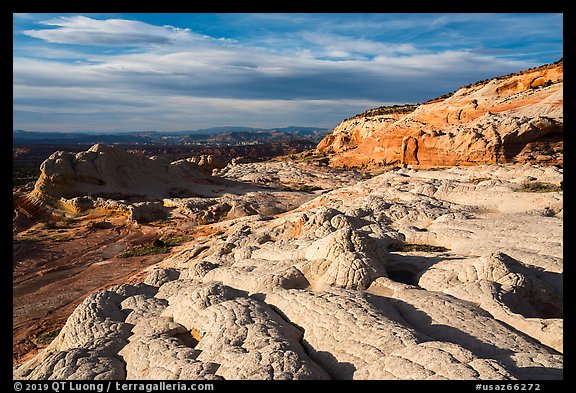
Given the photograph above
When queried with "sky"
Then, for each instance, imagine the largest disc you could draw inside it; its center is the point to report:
(172, 72)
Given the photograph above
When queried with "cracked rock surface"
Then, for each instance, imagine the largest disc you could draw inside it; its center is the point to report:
(412, 274)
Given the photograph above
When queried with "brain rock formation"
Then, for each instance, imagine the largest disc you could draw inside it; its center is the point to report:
(412, 274)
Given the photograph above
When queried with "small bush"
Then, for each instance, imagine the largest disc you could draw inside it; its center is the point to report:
(545, 84)
(172, 239)
(366, 175)
(157, 246)
(407, 247)
(140, 250)
(540, 187)
(300, 187)
(50, 225)
(48, 336)
(158, 243)
(477, 180)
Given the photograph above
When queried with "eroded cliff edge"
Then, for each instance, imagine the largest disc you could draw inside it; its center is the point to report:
(513, 118)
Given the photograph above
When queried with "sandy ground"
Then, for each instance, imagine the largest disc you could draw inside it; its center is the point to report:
(55, 269)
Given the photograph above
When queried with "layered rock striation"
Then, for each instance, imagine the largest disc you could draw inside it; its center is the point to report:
(516, 118)
(111, 180)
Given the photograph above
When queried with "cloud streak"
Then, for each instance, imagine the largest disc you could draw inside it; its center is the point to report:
(297, 68)
(82, 30)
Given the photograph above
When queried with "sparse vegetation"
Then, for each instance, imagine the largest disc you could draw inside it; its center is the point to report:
(140, 250)
(158, 243)
(24, 174)
(300, 187)
(440, 98)
(387, 110)
(157, 246)
(545, 84)
(58, 225)
(48, 336)
(161, 222)
(364, 175)
(100, 225)
(477, 180)
(50, 230)
(172, 239)
(407, 247)
(50, 225)
(537, 186)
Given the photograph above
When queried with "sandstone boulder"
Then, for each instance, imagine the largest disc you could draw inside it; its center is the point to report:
(207, 162)
(109, 172)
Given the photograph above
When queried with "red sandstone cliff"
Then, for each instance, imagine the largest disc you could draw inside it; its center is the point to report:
(518, 117)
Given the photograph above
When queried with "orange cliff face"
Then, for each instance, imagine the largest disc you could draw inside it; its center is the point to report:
(515, 118)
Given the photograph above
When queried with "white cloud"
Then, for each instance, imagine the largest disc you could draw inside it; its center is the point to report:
(177, 79)
(112, 109)
(82, 30)
(209, 84)
(345, 46)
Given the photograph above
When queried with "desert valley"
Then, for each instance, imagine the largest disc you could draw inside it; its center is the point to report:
(412, 242)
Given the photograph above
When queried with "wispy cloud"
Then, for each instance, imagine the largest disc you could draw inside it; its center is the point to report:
(114, 110)
(82, 30)
(284, 69)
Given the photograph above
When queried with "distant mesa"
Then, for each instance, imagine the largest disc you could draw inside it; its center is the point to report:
(214, 135)
(513, 118)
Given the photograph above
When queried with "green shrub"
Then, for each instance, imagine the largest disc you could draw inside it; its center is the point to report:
(407, 247)
(477, 180)
(157, 246)
(140, 250)
(537, 186)
(48, 336)
(172, 239)
(300, 187)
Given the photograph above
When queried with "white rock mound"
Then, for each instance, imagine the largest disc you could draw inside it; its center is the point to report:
(412, 274)
(104, 170)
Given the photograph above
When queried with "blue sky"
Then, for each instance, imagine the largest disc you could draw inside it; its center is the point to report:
(168, 72)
